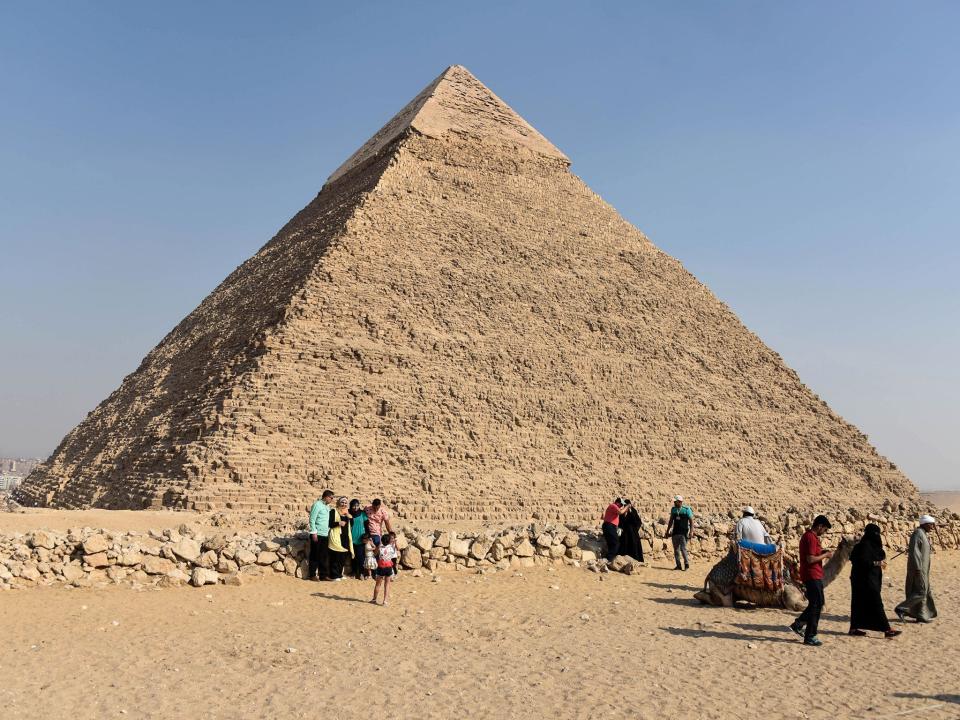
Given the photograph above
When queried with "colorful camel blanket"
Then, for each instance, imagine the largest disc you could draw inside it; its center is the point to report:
(763, 572)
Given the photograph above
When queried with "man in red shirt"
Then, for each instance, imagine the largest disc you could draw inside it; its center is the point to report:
(611, 521)
(812, 556)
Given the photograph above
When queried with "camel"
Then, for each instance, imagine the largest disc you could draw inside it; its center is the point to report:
(719, 588)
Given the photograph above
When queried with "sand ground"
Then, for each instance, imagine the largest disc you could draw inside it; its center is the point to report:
(27, 519)
(564, 644)
(949, 499)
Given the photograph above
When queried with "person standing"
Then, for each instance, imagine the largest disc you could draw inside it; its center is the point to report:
(319, 526)
(358, 528)
(749, 528)
(680, 529)
(340, 538)
(378, 519)
(812, 556)
(867, 563)
(610, 526)
(919, 603)
(386, 559)
(631, 544)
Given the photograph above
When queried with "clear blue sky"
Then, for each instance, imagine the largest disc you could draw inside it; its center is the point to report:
(802, 159)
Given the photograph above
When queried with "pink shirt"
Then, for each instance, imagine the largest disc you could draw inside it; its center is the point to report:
(376, 519)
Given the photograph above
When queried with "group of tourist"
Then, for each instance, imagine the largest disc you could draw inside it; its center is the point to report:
(621, 525)
(868, 561)
(349, 535)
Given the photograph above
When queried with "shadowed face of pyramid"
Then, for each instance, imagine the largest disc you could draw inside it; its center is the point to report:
(456, 323)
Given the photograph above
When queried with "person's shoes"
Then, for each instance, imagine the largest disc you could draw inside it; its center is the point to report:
(687, 566)
(814, 641)
(856, 633)
(923, 622)
(797, 628)
(900, 614)
(373, 602)
(337, 579)
(892, 633)
(678, 568)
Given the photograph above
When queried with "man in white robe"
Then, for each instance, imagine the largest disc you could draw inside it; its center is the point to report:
(919, 603)
(750, 528)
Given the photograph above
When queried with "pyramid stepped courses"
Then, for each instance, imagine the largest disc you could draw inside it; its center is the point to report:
(482, 339)
(139, 446)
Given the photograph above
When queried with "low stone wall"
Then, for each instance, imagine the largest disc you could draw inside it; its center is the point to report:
(87, 557)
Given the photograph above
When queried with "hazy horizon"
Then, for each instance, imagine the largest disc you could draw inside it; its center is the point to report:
(801, 161)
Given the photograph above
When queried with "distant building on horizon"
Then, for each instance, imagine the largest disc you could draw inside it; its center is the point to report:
(9, 482)
(19, 466)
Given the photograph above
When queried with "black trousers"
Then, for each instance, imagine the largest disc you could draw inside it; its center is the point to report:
(319, 558)
(358, 571)
(337, 562)
(613, 540)
(811, 616)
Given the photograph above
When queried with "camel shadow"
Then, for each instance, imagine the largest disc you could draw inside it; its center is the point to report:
(327, 596)
(725, 635)
(942, 697)
(686, 602)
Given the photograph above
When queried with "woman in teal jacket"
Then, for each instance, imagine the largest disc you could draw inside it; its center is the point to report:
(357, 531)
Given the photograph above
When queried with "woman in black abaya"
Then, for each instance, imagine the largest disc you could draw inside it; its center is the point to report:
(630, 543)
(866, 578)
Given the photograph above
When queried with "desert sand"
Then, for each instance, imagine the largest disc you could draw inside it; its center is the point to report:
(949, 499)
(561, 643)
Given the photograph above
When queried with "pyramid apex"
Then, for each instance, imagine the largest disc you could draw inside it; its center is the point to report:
(455, 101)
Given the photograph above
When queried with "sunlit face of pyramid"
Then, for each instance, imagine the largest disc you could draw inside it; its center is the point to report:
(459, 325)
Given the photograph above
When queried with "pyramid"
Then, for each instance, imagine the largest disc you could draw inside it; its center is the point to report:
(458, 324)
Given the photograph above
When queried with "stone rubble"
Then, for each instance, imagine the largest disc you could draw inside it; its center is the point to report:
(85, 557)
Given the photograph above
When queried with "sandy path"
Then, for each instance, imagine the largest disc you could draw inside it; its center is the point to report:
(28, 519)
(469, 646)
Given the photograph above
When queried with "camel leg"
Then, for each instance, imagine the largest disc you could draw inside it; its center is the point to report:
(713, 597)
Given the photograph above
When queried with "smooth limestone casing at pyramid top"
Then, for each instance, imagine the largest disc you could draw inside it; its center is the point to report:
(458, 324)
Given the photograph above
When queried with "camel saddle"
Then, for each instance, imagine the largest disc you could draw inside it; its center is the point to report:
(759, 571)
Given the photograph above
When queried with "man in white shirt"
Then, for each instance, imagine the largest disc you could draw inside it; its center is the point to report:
(751, 529)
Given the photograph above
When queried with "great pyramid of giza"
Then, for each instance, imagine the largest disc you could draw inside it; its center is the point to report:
(458, 324)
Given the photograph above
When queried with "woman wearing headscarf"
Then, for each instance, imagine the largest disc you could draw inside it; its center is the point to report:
(867, 562)
(630, 524)
(340, 540)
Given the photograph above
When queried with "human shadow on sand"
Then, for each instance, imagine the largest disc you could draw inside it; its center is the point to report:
(778, 628)
(328, 596)
(834, 618)
(942, 697)
(724, 635)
